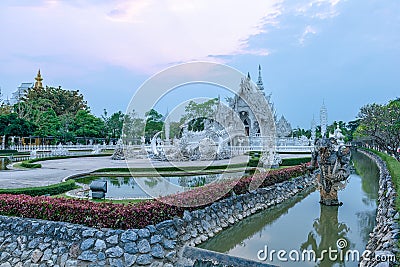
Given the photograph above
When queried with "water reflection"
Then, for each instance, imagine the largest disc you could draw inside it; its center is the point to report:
(327, 230)
(369, 172)
(302, 223)
(128, 187)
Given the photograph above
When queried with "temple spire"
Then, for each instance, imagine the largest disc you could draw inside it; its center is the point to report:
(260, 84)
(323, 118)
(39, 79)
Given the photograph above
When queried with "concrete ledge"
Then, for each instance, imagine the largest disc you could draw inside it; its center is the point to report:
(220, 259)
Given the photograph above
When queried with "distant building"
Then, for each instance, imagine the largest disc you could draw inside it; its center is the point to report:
(20, 92)
(24, 87)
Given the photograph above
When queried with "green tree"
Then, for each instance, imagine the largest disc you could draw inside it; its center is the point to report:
(87, 125)
(175, 129)
(66, 131)
(11, 125)
(114, 124)
(48, 124)
(197, 113)
(133, 126)
(381, 124)
(298, 132)
(60, 100)
(154, 123)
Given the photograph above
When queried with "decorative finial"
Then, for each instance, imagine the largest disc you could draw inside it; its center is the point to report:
(248, 76)
(260, 84)
(39, 79)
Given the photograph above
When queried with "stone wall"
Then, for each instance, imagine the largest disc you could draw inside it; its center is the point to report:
(384, 238)
(37, 243)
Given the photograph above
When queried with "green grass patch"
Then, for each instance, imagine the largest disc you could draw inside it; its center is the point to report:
(51, 190)
(394, 169)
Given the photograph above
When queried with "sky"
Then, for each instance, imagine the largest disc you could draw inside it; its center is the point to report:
(343, 52)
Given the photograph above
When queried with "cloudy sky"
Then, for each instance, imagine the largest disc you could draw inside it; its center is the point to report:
(345, 52)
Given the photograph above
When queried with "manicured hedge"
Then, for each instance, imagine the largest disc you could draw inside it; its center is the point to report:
(8, 151)
(295, 161)
(138, 215)
(30, 165)
(42, 190)
(269, 178)
(253, 161)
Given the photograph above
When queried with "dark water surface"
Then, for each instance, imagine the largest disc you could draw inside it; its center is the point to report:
(128, 187)
(302, 223)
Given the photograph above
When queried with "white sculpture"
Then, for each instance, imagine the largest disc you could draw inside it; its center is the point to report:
(96, 149)
(59, 151)
(33, 154)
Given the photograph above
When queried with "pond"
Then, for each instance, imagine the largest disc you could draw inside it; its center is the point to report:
(301, 223)
(129, 187)
(3, 163)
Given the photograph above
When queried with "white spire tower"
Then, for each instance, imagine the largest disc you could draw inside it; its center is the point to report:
(313, 130)
(324, 118)
(260, 84)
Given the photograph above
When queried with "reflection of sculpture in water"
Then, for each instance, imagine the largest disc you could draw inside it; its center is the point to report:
(333, 161)
(327, 230)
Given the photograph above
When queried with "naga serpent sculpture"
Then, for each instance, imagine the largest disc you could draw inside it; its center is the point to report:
(333, 160)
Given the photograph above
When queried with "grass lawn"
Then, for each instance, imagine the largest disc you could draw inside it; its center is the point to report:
(394, 168)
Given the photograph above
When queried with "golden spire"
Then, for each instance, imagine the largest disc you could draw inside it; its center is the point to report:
(39, 79)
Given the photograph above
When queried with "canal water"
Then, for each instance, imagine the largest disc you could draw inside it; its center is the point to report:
(301, 223)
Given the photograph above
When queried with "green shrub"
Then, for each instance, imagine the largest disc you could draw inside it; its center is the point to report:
(54, 189)
(253, 161)
(295, 161)
(8, 151)
(30, 165)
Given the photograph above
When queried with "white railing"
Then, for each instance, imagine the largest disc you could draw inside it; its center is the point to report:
(47, 148)
(240, 150)
(236, 150)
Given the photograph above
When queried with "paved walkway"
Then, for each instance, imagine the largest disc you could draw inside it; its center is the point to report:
(54, 171)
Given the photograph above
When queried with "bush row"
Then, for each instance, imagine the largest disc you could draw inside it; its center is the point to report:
(268, 178)
(295, 161)
(8, 151)
(140, 214)
(30, 165)
(51, 190)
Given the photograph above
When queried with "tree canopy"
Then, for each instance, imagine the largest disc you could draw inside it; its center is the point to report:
(154, 123)
(381, 124)
(60, 100)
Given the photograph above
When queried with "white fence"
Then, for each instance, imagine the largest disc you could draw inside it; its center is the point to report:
(49, 148)
(236, 150)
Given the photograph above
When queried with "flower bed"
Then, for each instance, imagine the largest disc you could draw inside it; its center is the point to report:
(122, 216)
